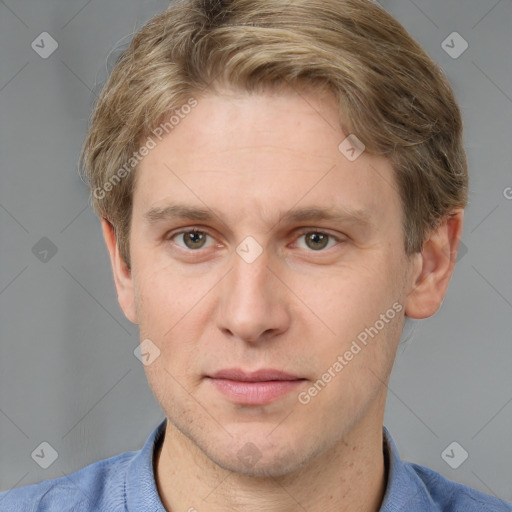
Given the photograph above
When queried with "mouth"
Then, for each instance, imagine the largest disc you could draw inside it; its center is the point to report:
(254, 388)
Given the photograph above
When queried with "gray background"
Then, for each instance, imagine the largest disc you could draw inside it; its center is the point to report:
(68, 373)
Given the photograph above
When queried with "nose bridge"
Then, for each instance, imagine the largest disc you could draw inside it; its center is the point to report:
(249, 281)
(250, 305)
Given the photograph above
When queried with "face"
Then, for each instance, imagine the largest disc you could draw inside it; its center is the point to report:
(256, 244)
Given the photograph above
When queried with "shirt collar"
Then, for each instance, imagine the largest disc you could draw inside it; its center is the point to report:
(140, 485)
(404, 491)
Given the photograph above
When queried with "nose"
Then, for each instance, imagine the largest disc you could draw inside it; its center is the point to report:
(253, 302)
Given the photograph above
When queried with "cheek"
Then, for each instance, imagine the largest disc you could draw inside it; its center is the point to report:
(353, 373)
(159, 309)
(358, 314)
(173, 312)
(349, 298)
(161, 295)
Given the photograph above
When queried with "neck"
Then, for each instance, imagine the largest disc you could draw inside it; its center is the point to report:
(349, 476)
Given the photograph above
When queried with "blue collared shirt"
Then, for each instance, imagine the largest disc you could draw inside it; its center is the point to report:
(126, 483)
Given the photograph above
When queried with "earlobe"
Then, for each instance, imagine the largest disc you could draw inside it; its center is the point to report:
(430, 280)
(122, 274)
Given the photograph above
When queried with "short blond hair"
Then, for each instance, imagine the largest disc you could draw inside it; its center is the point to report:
(390, 94)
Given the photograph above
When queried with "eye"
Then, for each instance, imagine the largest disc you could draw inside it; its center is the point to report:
(317, 240)
(191, 239)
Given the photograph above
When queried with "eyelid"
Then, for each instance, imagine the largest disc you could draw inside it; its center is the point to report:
(322, 231)
(188, 229)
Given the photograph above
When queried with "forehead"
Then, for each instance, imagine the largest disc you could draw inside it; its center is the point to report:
(262, 153)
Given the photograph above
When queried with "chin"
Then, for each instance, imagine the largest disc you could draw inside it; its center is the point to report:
(256, 456)
(268, 466)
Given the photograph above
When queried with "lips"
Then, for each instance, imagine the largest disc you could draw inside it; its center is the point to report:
(263, 375)
(254, 388)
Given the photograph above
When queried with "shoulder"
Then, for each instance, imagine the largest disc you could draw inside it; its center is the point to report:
(450, 496)
(414, 487)
(123, 482)
(99, 486)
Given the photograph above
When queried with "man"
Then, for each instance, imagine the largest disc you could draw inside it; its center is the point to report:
(280, 183)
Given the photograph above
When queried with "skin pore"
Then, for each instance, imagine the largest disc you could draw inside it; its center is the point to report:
(266, 166)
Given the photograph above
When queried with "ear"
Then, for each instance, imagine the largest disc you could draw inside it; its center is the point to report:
(435, 267)
(122, 273)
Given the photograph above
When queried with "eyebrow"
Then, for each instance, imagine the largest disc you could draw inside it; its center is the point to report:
(177, 211)
(294, 215)
(358, 216)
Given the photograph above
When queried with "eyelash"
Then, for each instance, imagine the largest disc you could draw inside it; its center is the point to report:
(300, 234)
